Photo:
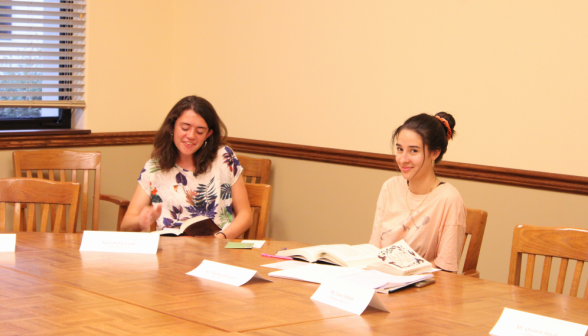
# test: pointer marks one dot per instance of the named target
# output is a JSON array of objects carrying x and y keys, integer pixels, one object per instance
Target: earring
[
  {"x": 204, "y": 144},
  {"x": 172, "y": 135},
  {"x": 433, "y": 163}
]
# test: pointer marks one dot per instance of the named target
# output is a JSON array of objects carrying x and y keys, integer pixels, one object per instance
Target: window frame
[{"x": 64, "y": 117}]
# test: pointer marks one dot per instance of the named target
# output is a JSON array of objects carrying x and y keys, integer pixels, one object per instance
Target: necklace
[{"x": 412, "y": 210}]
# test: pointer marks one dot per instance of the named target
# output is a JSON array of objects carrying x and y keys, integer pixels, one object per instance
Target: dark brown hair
[
  {"x": 166, "y": 152},
  {"x": 432, "y": 130}
]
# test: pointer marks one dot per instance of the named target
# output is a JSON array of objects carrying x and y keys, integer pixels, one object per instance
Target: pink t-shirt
[{"x": 436, "y": 228}]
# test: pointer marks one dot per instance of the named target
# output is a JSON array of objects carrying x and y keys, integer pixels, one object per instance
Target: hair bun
[{"x": 444, "y": 116}]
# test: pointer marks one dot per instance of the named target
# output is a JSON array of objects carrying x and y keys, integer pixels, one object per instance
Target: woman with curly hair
[{"x": 191, "y": 173}]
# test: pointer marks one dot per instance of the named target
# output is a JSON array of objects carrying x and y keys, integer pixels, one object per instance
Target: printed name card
[
  {"x": 514, "y": 322},
  {"x": 8, "y": 242},
  {"x": 256, "y": 243},
  {"x": 227, "y": 274},
  {"x": 122, "y": 242},
  {"x": 348, "y": 296}
]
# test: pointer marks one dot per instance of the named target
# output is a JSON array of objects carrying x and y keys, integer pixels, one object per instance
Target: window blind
[{"x": 41, "y": 55}]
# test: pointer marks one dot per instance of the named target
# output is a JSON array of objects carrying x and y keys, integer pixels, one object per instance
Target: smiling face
[
  {"x": 190, "y": 132},
  {"x": 412, "y": 156}
]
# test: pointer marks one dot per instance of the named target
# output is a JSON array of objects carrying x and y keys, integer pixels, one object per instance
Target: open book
[
  {"x": 338, "y": 254},
  {"x": 195, "y": 226},
  {"x": 400, "y": 259}
]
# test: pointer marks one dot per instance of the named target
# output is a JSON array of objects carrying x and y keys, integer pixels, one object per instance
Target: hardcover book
[
  {"x": 195, "y": 226},
  {"x": 337, "y": 254}
]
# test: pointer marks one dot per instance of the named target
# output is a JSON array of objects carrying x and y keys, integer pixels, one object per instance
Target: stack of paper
[{"x": 382, "y": 282}]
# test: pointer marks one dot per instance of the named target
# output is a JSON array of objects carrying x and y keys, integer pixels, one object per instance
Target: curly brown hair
[{"x": 166, "y": 152}]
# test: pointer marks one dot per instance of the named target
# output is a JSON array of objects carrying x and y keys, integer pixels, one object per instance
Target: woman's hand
[
  {"x": 140, "y": 214},
  {"x": 148, "y": 216}
]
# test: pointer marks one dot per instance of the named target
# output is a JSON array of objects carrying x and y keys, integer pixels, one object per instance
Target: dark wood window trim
[
  {"x": 465, "y": 171},
  {"x": 41, "y": 132}
]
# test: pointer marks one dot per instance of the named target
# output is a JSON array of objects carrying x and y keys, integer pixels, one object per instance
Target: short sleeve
[
  {"x": 380, "y": 209},
  {"x": 145, "y": 176},
  {"x": 230, "y": 165},
  {"x": 452, "y": 236}
]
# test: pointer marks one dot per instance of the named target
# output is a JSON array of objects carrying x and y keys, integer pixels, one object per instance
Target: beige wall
[
  {"x": 344, "y": 73},
  {"x": 128, "y": 71}
]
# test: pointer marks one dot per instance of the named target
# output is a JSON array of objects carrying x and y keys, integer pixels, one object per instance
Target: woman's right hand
[
  {"x": 140, "y": 214},
  {"x": 148, "y": 216}
]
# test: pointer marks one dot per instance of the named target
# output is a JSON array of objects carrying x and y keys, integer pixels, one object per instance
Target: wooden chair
[
  {"x": 259, "y": 199},
  {"x": 43, "y": 193},
  {"x": 475, "y": 226},
  {"x": 71, "y": 161},
  {"x": 255, "y": 170},
  {"x": 564, "y": 243}
]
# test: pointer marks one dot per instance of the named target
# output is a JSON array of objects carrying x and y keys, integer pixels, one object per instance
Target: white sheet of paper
[
  {"x": 376, "y": 279},
  {"x": 256, "y": 243},
  {"x": 514, "y": 322},
  {"x": 121, "y": 242},
  {"x": 315, "y": 273},
  {"x": 286, "y": 264},
  {"x": 227, "y": 274},
  {"x": 348, "y": 296},
  {"x": 8, "y": 242}
]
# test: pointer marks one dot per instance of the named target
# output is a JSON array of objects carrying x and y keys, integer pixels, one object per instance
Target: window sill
[{"x": 66, "y": 138}]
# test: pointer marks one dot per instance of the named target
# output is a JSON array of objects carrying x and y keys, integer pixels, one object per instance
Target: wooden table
[{"x": 144, "y": 294}]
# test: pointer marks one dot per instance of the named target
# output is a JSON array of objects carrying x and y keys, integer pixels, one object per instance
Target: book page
[
  {"x": 401, "y": 255},
  {"x": 368, "y": 249},
  {"x": 351, "y": 253},
  {"x": 310, "y": 253},
  {"x": 314, "y": 273}
]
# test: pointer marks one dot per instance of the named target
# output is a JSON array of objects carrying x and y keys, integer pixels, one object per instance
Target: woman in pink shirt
[{"x": 427, "y": 213}]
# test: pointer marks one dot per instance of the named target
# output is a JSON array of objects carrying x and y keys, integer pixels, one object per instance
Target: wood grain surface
[
  {"x": 33, "y": 306},
  {"x": 455, "y": 305}
]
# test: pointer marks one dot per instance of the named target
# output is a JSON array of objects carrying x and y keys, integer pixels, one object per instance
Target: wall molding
[{"x": 465, "y": 171}]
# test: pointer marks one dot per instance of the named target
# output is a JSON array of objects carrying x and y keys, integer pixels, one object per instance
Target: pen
[{"x": 275, "y": 256}]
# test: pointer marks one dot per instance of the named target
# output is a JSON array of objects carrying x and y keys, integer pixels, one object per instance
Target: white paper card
[
  {"x": 376, "y": 279},
  {"x": 515, "y": 322},
  {"x": 228, "y": 274},
  {"x": 348, "y": 296},
  {"x": 283, "y": 265},
  {"x": 256, "y": 243},
  {"x": 315, "y": 273},
  {"x": 8, "y": 242},
  {"x": 122, "y": 242}
]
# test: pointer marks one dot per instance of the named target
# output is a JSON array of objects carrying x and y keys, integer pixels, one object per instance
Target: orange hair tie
[{"x": 446, "y": 126}]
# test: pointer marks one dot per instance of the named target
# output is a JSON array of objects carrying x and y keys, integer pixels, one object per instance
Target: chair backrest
[
  {"x": 38, "y": 163},
  {"x": 259, "y": 198},
  {"x": 43, "y": 193},
  {"x": 255, "y": 170},
  {"x": 564, "y": 243},
  {"x": 475, "y": 226}
]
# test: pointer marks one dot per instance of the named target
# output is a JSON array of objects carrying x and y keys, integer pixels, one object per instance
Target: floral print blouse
[{"x": 185, "y": 195}]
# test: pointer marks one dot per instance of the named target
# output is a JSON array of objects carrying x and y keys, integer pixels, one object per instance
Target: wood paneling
[{"x": 464, "y": 171}]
